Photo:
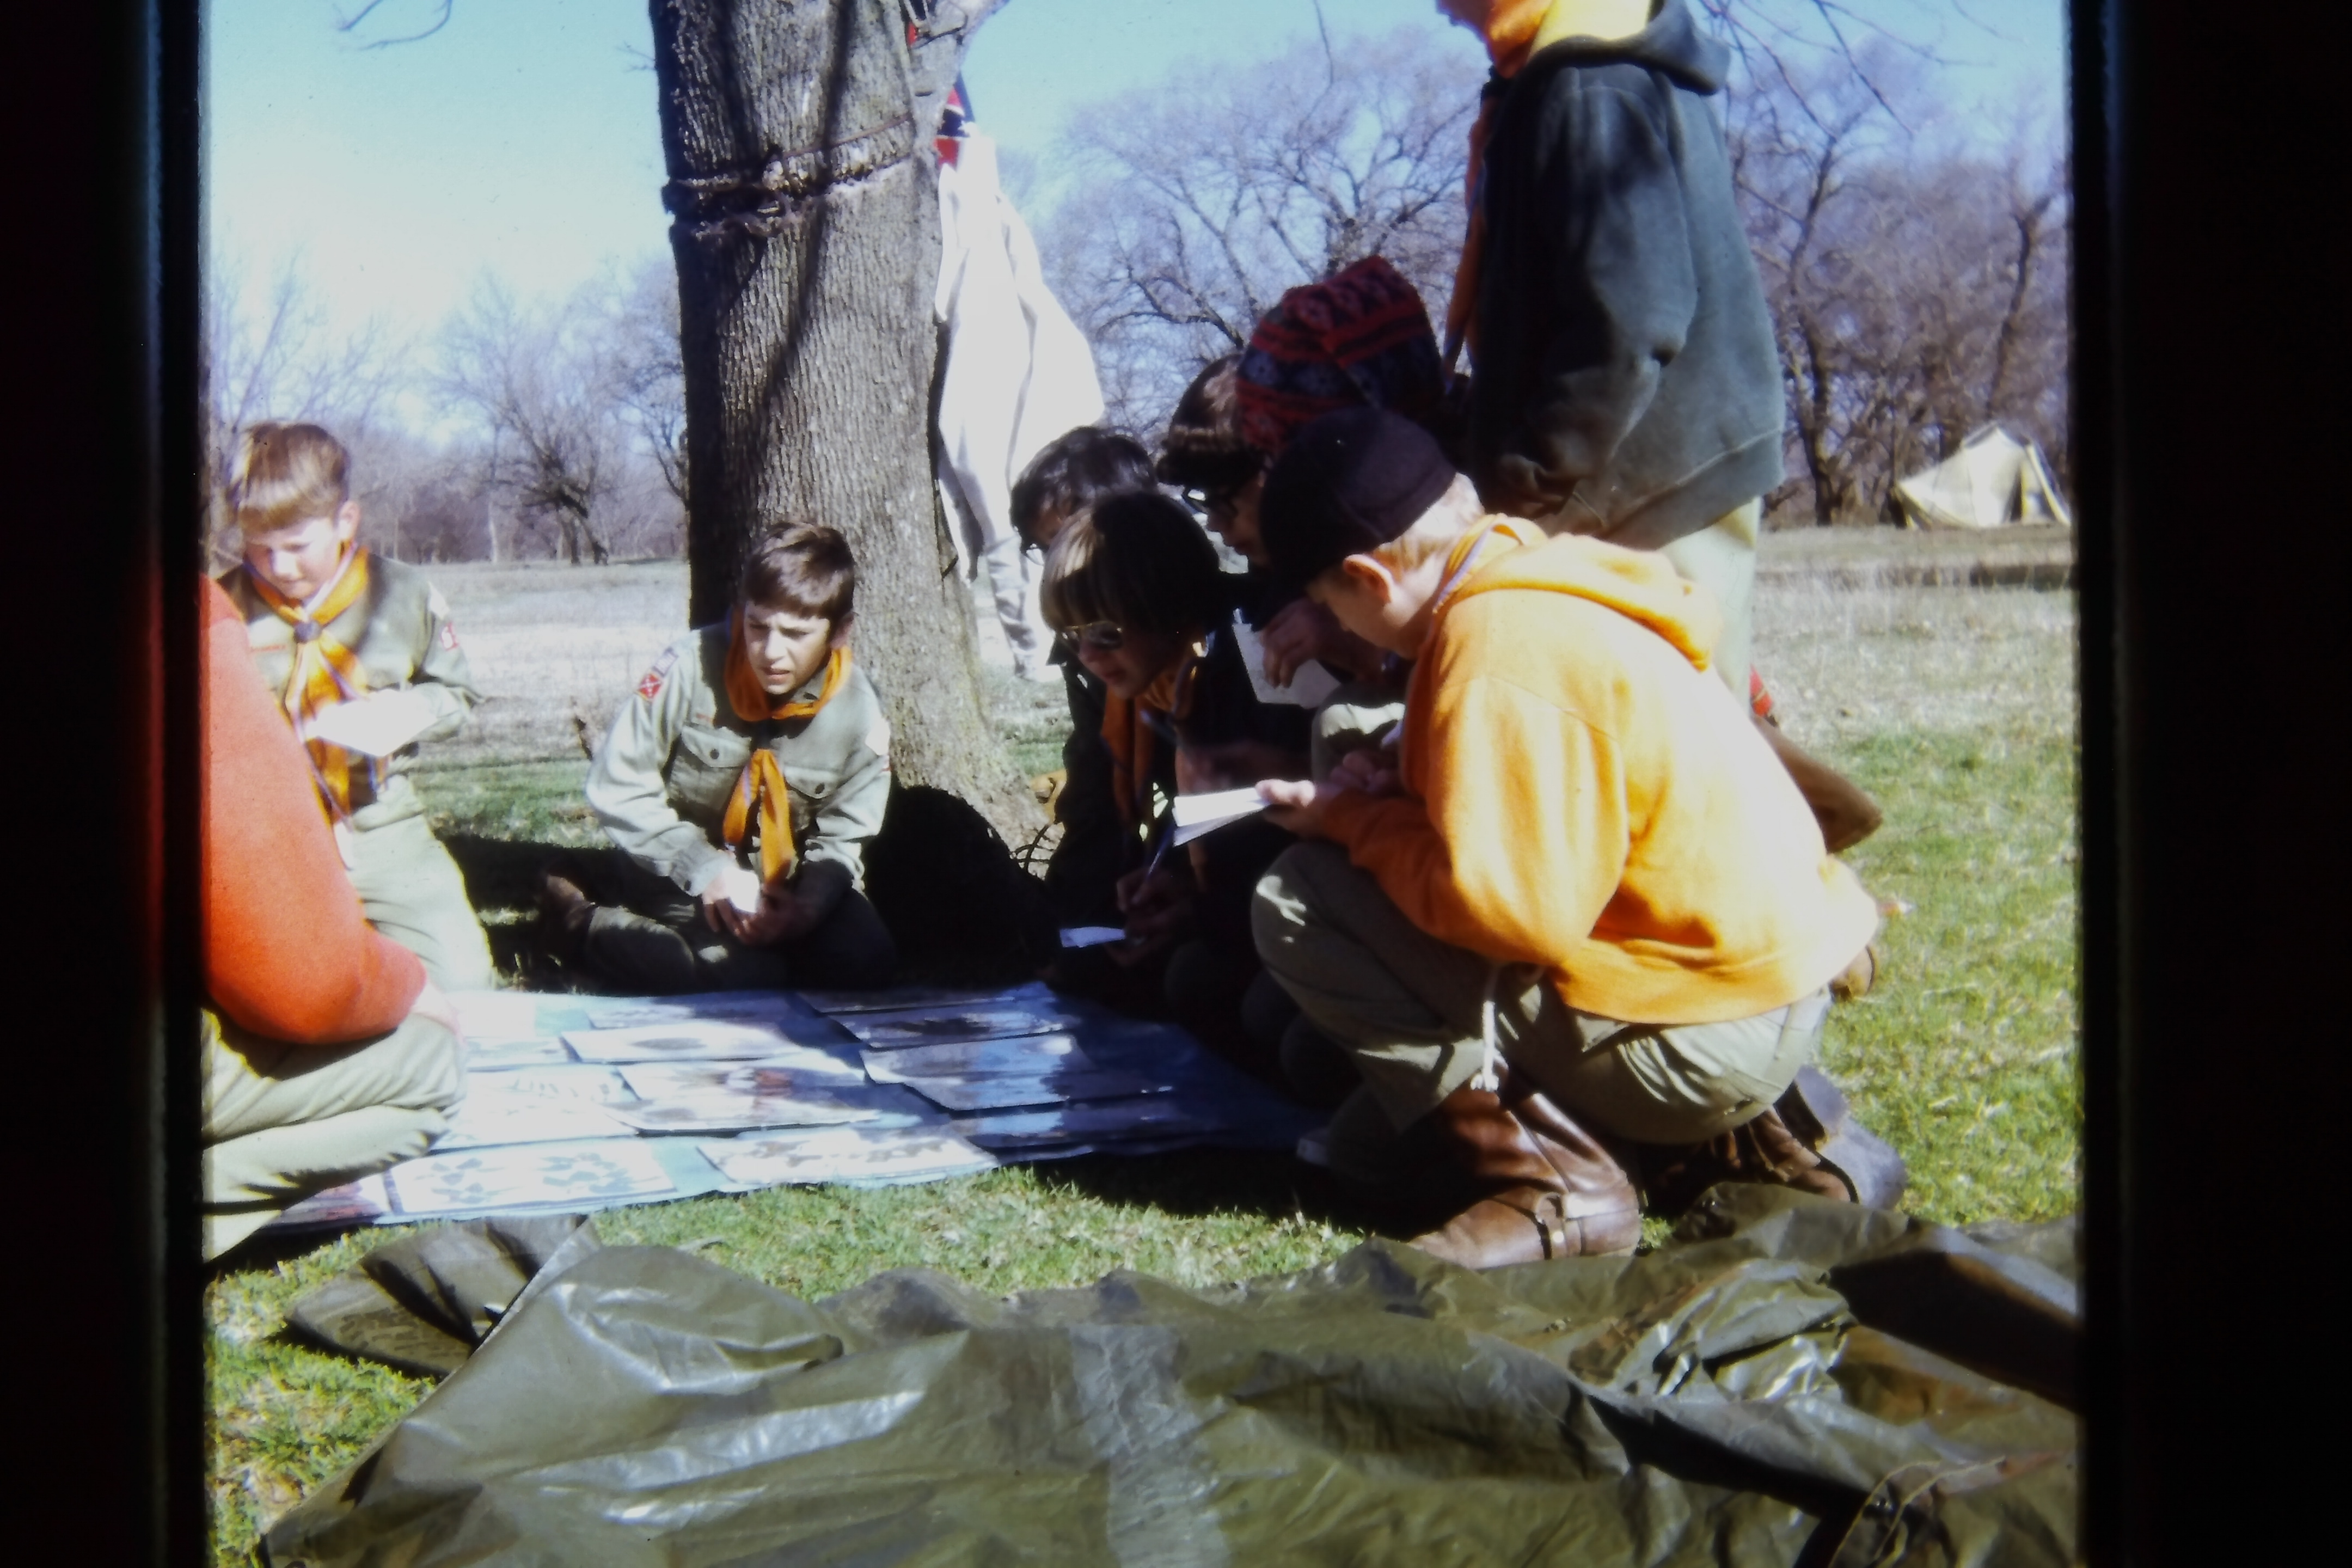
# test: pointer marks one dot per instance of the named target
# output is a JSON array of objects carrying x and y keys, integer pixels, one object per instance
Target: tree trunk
[{"x": 806, "y": 229}]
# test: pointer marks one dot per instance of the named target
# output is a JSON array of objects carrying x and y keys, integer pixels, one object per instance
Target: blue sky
[{"x": 521, "y": 140}]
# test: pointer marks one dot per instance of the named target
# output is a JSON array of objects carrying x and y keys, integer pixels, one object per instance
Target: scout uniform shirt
[
  {"x": 662, "y": 779},
  {"x": 401, "y": 630}
]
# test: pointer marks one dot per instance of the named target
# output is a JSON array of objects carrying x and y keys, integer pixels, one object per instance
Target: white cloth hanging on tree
[{"x": 1017, "y": 373}]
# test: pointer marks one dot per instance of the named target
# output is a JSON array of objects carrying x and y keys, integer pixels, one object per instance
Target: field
[{"x": 1954, "y": 705}]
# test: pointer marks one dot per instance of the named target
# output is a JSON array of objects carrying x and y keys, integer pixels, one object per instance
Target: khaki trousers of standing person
[
  {"x": 412, "y": 892},
  {"x": 1407, "y": 1007},
  {"x": 1720, "y": 558},
  {"x": 283, "y": 1121}
]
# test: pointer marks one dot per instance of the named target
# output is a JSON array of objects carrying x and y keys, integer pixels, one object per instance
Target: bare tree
[
  {"x": 545, "y": 387},
  {"x": 1189, "y": 217},
  {"x": 1917, "y": 294},
  {"x": 652, "y": 382}
]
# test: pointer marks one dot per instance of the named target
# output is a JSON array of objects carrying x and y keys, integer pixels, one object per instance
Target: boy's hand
[
  {"x": 1298, "y": 806},
  {"x": 1201, "y": 770},
  {"x": 783, "y": 915},
  {"x": 728, "y": 894},
  {"x": 1370, "y": 770},
  {"x": 1159, "y": 910},
  {"x": 1304, "y": 629}
]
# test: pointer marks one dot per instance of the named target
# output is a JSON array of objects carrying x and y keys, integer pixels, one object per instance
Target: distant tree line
[{"x": 1919, "y": 287}]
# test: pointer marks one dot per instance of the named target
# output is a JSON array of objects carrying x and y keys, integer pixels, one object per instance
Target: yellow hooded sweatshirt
[{"x": 1582, "y": 794}]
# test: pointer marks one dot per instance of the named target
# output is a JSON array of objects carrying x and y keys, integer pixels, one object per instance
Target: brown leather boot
[
  {"x": 564, "y": 911},
  {"x": 1762, "y": 1149},
  {"x": 1555, "y": 1191}
]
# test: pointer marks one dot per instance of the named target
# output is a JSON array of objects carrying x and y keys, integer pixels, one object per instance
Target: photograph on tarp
[{"x": 1340, "y": 825}]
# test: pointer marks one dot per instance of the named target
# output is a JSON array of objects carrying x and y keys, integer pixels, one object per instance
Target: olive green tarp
[{"x": 1740, "y": 1395}]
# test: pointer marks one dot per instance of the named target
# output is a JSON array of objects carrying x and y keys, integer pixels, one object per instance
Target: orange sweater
[
  {"x": 286, "y": 952},
  {"x": 1581, "y": 793}
]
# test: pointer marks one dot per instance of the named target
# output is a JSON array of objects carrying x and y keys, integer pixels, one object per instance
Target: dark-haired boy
[
  {"x": 1068, "y": 475},
  {"x": 740, "y": 782},
  {"x": 1586, "y": 911}
]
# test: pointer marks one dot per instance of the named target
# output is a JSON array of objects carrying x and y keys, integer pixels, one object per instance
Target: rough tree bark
[{"x": 802, "y": 189}]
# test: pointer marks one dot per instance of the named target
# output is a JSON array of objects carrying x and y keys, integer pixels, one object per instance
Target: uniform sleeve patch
[
  {"x": 651, "y": 686},
  {"x": 449, "y": 636},
  {"x": 878, "y": 737}
]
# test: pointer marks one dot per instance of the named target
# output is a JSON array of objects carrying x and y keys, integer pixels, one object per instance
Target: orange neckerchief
[
  {"x": 1133, "y": 742},
  {"x": 324, "y": 672},
  {"x": 760, "y": 790}
]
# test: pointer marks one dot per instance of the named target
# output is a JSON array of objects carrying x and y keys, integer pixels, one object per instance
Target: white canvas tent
[{"x": 1992, "y": 482}]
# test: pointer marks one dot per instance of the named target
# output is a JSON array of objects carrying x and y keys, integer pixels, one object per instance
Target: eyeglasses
[
  {"x": 1206, "y": 502},
  {"x": 1103, "y": 636}
]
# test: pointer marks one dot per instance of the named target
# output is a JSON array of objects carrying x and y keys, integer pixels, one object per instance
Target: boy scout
[
  {"x": 741, "y": 782},
  {"x": 1581, "y": 908},
  {"x": 331, "y": 626}
]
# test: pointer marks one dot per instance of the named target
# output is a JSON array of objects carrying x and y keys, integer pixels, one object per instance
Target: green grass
[{"x": 1953, "y": 707}]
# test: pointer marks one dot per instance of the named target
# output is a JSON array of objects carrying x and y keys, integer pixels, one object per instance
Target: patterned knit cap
[{"x": 1360, "y": 337}]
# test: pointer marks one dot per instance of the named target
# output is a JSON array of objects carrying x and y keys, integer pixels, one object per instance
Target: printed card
[
  {"x": 542, "y": 1176},
  {"x": 1026, "y": 1057},
  {"x": 779, "y": 1076},
  {"x": 704, "y": 1040},
  {"x": 846, "y": 1154}
]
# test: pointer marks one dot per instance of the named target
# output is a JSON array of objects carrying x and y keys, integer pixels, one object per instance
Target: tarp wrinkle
[{"x": 1727, "y": 1399}]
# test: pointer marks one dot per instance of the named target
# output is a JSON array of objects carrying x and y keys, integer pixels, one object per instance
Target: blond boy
[
  {"x": 1581, "y": 906},
  {"x": 362, "y": 647}
]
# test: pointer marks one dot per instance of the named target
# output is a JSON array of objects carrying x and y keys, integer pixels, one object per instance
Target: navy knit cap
[{"x": 1349, "y": 482}]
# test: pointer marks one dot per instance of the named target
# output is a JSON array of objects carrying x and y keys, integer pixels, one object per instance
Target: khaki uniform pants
[
  {"x": 282, "y": 1121},
  {"x": 1406, "y": 1006},
  {"x": 414, "y": 894}
]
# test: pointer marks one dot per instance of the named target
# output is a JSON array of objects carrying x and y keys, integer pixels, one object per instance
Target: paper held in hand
[
  {"x": 377, "y": 724},
  {"x": 1310, "y": 685},
  {"x": 1199, "y": 813}
]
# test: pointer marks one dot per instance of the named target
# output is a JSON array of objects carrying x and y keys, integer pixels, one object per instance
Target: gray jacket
[
  {"x": 403, "y": 633},
  {"x": 661, "y": 780},
  {"x": 1627, "y": 382}
]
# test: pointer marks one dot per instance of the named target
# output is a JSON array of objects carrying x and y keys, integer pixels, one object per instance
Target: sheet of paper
[
  {"x": 904, "y": 998},
  {"x": 377, "y": 724},
  {"x": 1091, "y": 936},
  {"x": 704, "y": 1040},
  {"x": 1026, "y": 1057},
  {"x": 589, "y": 1083},
  {"x": 530, "y": 1176},
  {"x": 744, "y": 1112},
  {"x": 777, "y": 1077},
  {"x": 1311, "y": 684},
  {"x": 354, "y": 1202},
  {"x": 525, "y": 1051},
  {"x": 1199, "y": 813},
  {"x": 966, "y": 1094},
  {"x": 929, "y": 1026},
  {"x": 739, "y": 1007},
  {"x": 492, "y": 1115},
  {"x": 846, "y": 1154}
]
